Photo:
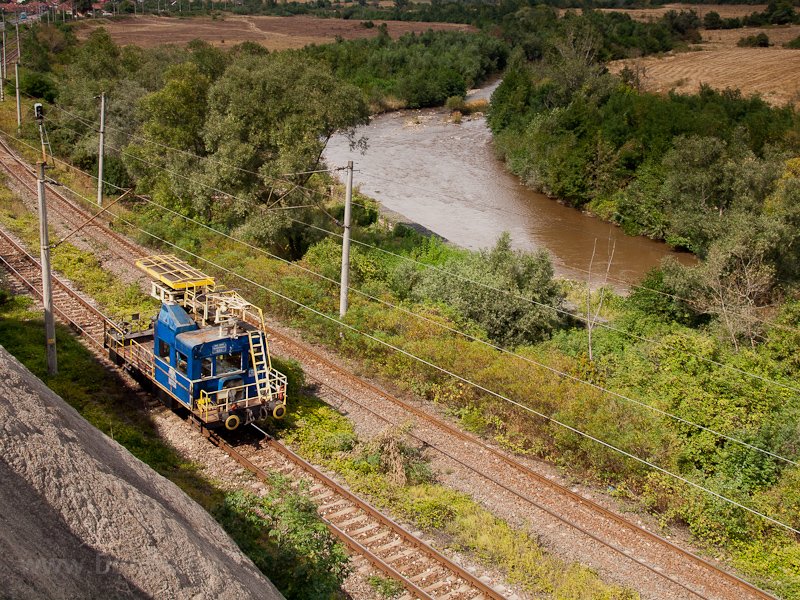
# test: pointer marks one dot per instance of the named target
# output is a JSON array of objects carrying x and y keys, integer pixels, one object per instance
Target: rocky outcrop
[{"x": 82, "y": 518}]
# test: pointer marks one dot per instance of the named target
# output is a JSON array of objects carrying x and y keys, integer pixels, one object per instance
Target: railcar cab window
[
  {"x": 205, "y": 367},
  {"x": 227, "y": 363},
  {"x": 163, "y": 350},
  {"x": 181, "y": 362}
]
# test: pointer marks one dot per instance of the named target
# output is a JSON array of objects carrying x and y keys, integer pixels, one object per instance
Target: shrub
[
  {"x": 454, "y": 103},
  {"x": 793, "y": 44},
  {"x": 760, "y": 40},
  {"x": 287, "y": 540},
  {"x": 524, "y": 314},
  {"x": 712, "y": 20},
  {"x": 37, "y": 85}
]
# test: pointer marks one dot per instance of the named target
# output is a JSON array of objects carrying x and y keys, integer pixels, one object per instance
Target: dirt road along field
[{"x": 274, "y": 33}]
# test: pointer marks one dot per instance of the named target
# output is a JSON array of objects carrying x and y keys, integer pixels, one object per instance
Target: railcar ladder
[{"x": 260, "y": 360}]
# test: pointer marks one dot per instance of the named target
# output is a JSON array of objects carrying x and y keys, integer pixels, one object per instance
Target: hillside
[{"x": 82, "y": 518}]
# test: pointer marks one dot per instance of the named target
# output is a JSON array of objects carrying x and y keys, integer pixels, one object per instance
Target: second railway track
[
  {"x": 424, "y": 572},
  {"x": 686, "y": 573}
]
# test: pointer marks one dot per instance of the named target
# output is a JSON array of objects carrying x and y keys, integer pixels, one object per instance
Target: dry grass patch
[{"x": 274, "y": 33}]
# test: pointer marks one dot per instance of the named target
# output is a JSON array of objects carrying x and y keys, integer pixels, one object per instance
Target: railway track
[
  {"x": 686, "y": 574},
  {"x": 424, "y": 572},
  {"x": 71, "y": 211},
  {"x": 69, "y": 305}
]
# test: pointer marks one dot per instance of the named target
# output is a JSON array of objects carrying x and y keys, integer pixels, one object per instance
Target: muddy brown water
[{"x": 446, "y": 178}]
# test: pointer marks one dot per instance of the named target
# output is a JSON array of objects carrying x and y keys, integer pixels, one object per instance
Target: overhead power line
[
  {"x": 471, "y": 337},
  {"x": 474, "y": 384},
  {"x": 562, "y": 311},
  {"x": 470, "y": 382}
]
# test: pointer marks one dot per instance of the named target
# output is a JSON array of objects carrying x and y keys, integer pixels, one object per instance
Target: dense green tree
[
  {"x": 211, "y": 61},
  {"x": 176, "y": 114},
  {"x": 706, "y": 178},
  {"x": 263, "y": 126}
]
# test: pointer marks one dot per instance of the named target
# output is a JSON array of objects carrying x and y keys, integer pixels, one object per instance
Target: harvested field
[
  {"x": 726, "y": 11},
  {"x": 274, "y": 33},
  {"x": 772, "y": 72},
  {"x": 728, "y": 38}
]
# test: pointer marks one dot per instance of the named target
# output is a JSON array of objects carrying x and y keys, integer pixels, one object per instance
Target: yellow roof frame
[{"x": 174, "y": 272}]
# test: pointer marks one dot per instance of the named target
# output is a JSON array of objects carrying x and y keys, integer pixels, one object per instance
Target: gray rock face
[{"x": 82, "y": 518}]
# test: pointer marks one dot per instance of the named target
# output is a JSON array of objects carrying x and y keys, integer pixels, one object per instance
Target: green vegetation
[
  {"x": 588, "y": 138},
  {"x": 387, "y": 588},
  {"x": 760, "y": 40},
  {"x": 234, "y": 135},
  {"x": 283, "y": 535},
  {"x": 396, "y": 476},
  {"x": 417, "y": 70},
  {"x": 778, "y": 12},
  {"x": 793, "y": 44},
  {"x": 713, "y": 172}
]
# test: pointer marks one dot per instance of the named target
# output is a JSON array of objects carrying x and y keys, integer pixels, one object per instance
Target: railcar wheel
[
  {"x": 232, "y": 422},
  {"x": 279, "y": 411}
]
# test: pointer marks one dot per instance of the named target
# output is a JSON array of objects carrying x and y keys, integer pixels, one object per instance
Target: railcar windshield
[{"x": 227, "y": 363}]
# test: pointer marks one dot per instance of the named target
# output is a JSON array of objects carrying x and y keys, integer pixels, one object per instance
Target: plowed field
[
  {"x": 726, "y": 11},
  {"x": 275, "y": 33},
  {"x": 772, "y": 72}
]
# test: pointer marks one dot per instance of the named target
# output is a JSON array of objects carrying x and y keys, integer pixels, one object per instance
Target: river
[{"x": 445, "y": 177}]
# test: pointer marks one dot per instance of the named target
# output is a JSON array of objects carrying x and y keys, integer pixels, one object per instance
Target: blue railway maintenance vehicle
[{"x": 206, "y": 350}]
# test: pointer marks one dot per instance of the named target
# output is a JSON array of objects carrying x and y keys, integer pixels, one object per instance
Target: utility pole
[
  {"x": 3, "y": 68},
  {"x": 47, "y": 289},
  {"x": 348, "y": 197},
  {"x": 100, "y": 150},
  {"x": 19, "y": 48},
  {"x": 19, "y": 108},
  {"x": 3, "y": 75}
]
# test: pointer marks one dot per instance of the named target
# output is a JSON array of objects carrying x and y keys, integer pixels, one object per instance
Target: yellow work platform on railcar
[{"x": 174, "y": 272}]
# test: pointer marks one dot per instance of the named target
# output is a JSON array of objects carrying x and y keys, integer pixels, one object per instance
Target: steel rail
[
  {"x": 350, "y": 541},
  {"x": 523, "y": 469},
  {"x": 482, "y": 589},
  {"x": 80, "y": 211}
]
